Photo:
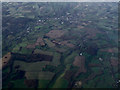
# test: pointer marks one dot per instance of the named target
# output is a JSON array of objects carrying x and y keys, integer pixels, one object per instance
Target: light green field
[
  {"x": 37, "y": 27},
  {"x": 39, "y": 75},
  {"x": 60, "y": 82},
  {"x": 26, "y": 51},
  {"x": 43, "y": 83},
  {"x": 29, "y": 67},
  {"x": 36, "y": 51},
  {"x": 23, "y": 44}
]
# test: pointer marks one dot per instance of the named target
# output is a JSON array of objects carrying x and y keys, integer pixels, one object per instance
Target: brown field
[
  {"x": 94, "y": 65},
  {"x": 79, "y": 62},
  {"x": 55, "y": 34},
  {"x": 69, "y": 74},
  {"x": 91, "y": 33},
  {"x": 92, "y": 76},
  {"x": 6, "y": 59},
  {"x": 80, "y": 27},
  {"x": 30, "y": 83},
  {"x": 66, "y": 43},
  {"x": 114, "y": 61},
  {"x": 40, "y": 41},
  {"x": 110, "y": 50},
  {"x": 31, "y": 46},
  {"x": 60, "y": 50}
]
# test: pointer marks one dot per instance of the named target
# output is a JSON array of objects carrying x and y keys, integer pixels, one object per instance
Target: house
[
  {"x": 100, "y": 59},
  {"x": 80, "y": 54}
]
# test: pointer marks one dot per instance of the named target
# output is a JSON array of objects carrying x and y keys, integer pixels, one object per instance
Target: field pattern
[{"x": 60, "y": 45}]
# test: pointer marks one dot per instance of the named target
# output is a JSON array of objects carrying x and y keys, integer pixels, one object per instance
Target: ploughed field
[
  {"x": 32, "y": 58},
  {"x": 60, "y": 45}
]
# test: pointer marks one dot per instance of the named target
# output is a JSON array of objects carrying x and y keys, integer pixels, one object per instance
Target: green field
[
  {"x": 43, "y": 83},
  {"x": 39, "y": 75},
  {"x": 70, "y": 58},
  {"x": 36, "y": 67},
  {"x": 56, "y": 59},
  {"x": 37, "y": 51},
  {"x": 60, "y": 82},
  {"x": 45, "y": 38}
]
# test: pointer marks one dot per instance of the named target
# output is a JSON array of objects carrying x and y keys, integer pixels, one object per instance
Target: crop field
[
  {"x": 70, "y": 58},
  {"x": 37, "y": 66},
  {"x": 56, "y": 59},
  {"x": 43, "y": 83},
  {"x": 42, "y": 52},
  {"x": 60, "y": 82},
  {"x": 60, "y": 45},
  {"x": 39, "y": 75}
]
